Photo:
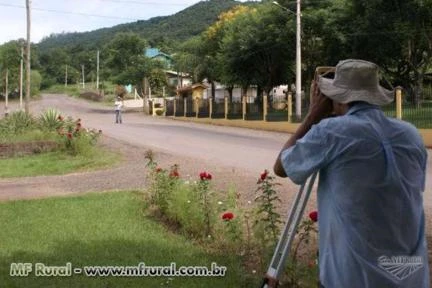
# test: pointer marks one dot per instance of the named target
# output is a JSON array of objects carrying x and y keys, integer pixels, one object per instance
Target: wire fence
[{"x": 419, "y": 114}]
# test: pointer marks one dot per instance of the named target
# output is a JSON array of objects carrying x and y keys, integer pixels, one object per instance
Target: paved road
[{"x": 233, "y": 147}]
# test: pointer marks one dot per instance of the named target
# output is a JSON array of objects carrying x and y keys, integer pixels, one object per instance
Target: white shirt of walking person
[{"x": 118, "y": 104}]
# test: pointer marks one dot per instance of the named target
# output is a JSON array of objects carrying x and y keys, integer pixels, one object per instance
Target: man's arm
[{"x": 322, "y": 108}]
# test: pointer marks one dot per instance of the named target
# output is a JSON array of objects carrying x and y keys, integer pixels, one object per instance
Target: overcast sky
[{"x": 56, "y": 16}]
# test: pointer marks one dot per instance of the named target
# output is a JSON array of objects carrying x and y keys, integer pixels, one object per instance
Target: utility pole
[
  {"x": 97, "y": 70},
  {"x": 298, "y": 56},
  {"x": 66, "y": 76},
  {"x": 82, "y": 72},
  {"x": 21, "y": 78},
  {"x": 27, "y": 98},
  {"x": 6, "y": 93},
  {"x": 298, "y": 64}
]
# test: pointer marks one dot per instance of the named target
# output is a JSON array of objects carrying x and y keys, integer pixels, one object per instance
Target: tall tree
[
  {"x": 257, "y": 49},
  {"x": 10, "y": 56},
  {"x": 395, "y": 34},
  {"x": 126, "y": 60}
]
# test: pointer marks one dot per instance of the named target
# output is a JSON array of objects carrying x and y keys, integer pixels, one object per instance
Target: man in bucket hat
[{"x": 372, "y": 178}]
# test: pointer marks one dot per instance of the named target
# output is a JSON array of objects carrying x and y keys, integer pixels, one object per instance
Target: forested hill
[{"x": 159, "y": 31}]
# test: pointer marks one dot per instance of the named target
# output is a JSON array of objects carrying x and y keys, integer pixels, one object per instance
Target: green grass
[
  {"x": 71, "y": 89},
  {"x": 56, "y": 163},
  {"x": 100, "y": 229},
  {"x": 75, "y": 89},
  {"x": 31, "y": 135}
]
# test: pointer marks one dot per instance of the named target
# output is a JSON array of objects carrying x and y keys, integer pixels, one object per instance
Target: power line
[
  {"x": 68, "y": 12},
  {"x": 144, "y": 2},
  {"x": 85, "y": 14}
]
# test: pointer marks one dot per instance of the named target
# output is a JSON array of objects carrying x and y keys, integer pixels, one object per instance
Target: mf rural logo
[{"x": 400, "y": 267}]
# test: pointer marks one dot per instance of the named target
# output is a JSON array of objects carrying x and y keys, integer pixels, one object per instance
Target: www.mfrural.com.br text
[{"x": 140, "y": 270}]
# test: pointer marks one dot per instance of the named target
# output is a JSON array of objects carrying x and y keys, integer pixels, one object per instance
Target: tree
[
  {"x": 157, "y": 80},
  {"x": 10, "y": 56},
  {"x": 53, "y": 64},
  {"x": 257, "y": 49},
  {"x": 397, "y": 35},
  {"x": 126, "y": 60}
]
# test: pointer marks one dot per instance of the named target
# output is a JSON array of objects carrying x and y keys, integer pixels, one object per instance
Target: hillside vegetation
[{"x": 158, "y": 31}]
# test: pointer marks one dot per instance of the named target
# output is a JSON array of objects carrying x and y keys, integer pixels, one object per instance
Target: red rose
[
  {"x": 264, "y": 175},
  {"x": 174, "y": 174},
  {"x": 313, "y": 216},
  {"x": 205, "y": 176},
  {"x": 158, "y": 170},
  {"x": 227, "y": 216},
  {"x": 69, "y": 135}
]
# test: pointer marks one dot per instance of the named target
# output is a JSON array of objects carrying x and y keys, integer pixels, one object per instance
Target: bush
[
  {"x": 50, "y": 125},
  {"x": 16, "y": 123},
  {"x": 76, "y": 140},
  {"x": 159, "y": 112},
  {"x": 216, "y": 220},
  {"x": 50, "y": 119},
  {"x": 47, "y": 82},
  {"x": 36, "y": 82}
]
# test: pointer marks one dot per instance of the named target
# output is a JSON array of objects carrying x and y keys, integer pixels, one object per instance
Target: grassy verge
[
  {"x": 99, "y": 229},
  {"x": 56, "y": 163},
  {"x": 72, "y": 89},
  {"x": 32, "y": 135}
]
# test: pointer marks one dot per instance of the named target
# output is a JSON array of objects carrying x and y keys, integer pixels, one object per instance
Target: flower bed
[
  {"x": 26, "y": 148},
  {"x": 216, "y": 219}
]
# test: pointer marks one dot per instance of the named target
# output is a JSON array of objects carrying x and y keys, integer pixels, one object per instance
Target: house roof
[
  {"x": 154, "y": 52},
  {"x": 174, "y": 73},
  {"x": 191, "y": 87}
]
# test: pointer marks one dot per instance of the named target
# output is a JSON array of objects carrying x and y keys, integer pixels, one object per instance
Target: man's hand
[{"x": 321, "y": 106}]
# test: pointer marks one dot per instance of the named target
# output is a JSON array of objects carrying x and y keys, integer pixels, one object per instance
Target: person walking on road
[
  {"x": 371, "y": 182},
  {"x": 118, "y": 104}
]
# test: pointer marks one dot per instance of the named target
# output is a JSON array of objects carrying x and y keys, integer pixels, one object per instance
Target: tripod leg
[{"x": 287, "y": 236}]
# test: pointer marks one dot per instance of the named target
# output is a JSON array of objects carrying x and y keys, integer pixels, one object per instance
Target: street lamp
[{"x": 298, "y": 56}]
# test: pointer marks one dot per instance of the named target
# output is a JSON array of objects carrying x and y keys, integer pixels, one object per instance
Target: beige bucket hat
[{"x": 356, "y": 80}]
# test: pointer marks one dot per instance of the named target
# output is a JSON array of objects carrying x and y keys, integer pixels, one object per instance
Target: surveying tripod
[
  {"x": 283, "y": 248},
  {"x": 275, "y": 269}
]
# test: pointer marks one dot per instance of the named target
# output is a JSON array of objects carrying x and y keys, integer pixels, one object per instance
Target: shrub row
[{"x": 216, "y": 219}]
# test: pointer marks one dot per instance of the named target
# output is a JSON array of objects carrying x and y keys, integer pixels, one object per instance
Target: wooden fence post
[
  {"x": 289, "y": 106},
  {"x": 244, "y": 107},
  {"x": 399, "y": 102},
  {"x": 226, "y": 107},
  {"x": 210, "y": 99}
]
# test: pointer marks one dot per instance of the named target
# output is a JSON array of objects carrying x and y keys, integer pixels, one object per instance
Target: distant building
[
  {"x": 178, "y": 79},
  {"x": 156, "y": 54}
]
